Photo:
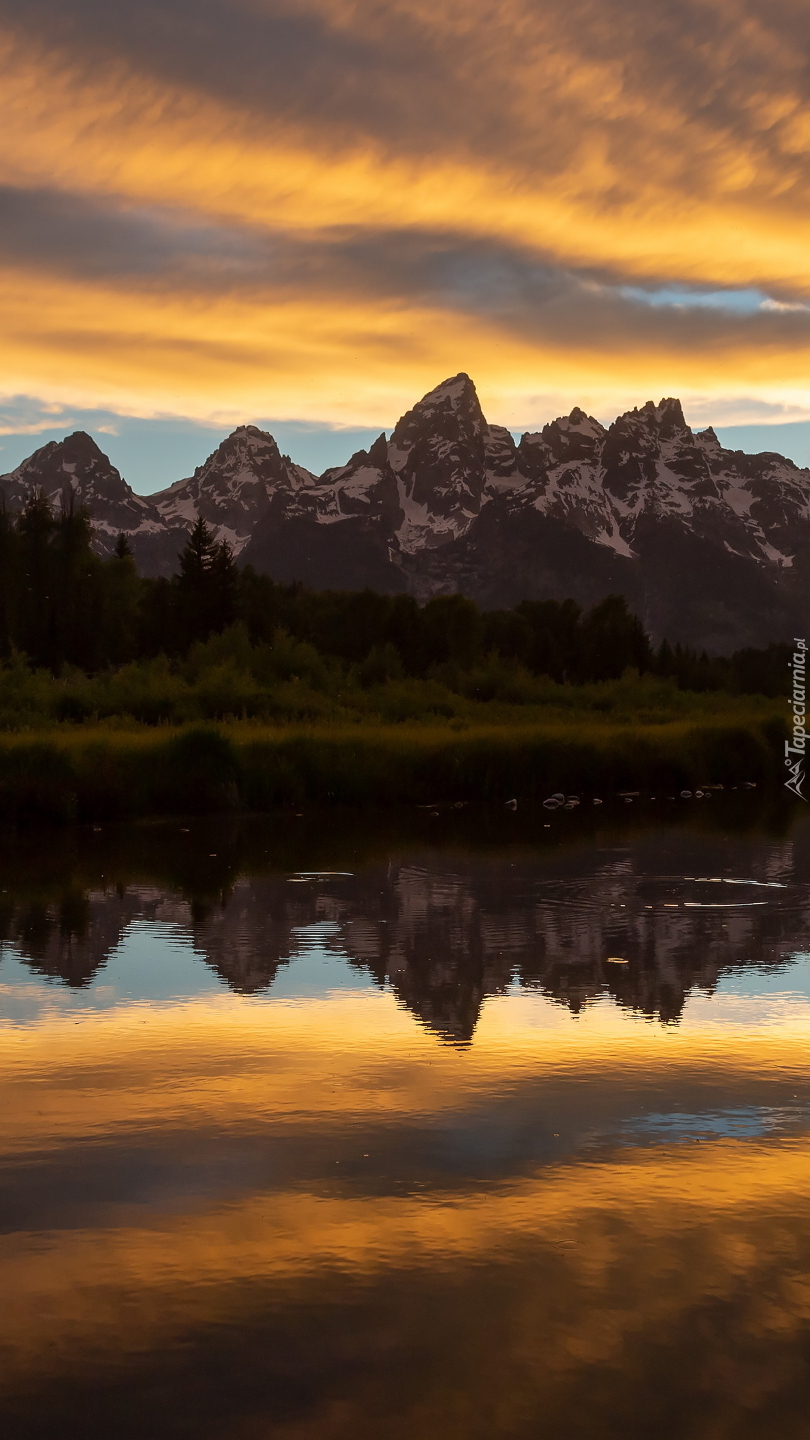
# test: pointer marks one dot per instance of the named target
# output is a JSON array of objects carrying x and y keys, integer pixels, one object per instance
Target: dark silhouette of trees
[
  {"x": 120, "y": 625},
  {"x": 555, "y": 642},
  {"x": 206, "y": 585},
  {"x": 77, "y": 597},
  {"x": 8, "y": 576},
  {"x": 612, "y": 641},
  {"x": 36, "y": 580},
  {"x": 61, "y": 604}
]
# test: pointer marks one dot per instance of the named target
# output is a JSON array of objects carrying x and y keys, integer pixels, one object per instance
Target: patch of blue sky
[
  {"x": 744, "y": 302},
  {"x": 154, "y": 453},
  {"x": 792, "y": 438}
]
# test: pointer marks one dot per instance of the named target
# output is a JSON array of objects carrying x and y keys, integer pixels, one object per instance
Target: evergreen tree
[
  {"x": 121, "y": 637},
  {"x": 158, "y": 618},
  {"x": 224, "y": 587},
  {"x": 451, "y": 630},
  {"x": 8, "y": 581},
  {"x": 664, "y": 661},
  {"x": 556, "y": 638},
  {"x": 194, "y": 584},
  {"x": 77, "y": 589},
  {"x": 197, "y": 558},
  {"x": 259, "y": 604},
  {"x": 36, "y": 581},
  {"x": 612, "y": 641},
  {"x": 206, "y": 586},
  {"x": 508, "y": 633},
  {"x": 403, "y": 630}
]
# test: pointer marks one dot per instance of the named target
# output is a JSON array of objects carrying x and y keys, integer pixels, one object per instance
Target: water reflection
[
  {"x": 444, "y": 929},
  {"x": 404, "y": 1150}
]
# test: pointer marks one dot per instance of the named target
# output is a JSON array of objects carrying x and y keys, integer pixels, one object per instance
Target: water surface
[{"x": 450, "y": 1125}]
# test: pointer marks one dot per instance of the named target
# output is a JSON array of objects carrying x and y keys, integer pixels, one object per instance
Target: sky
[{"x": 307, "y": 214}]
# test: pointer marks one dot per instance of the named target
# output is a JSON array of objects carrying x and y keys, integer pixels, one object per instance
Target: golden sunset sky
[{"x": 221, "y": 210}]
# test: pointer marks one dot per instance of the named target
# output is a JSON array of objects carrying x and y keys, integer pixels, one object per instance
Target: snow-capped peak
[{"x": 414, "y": 501}]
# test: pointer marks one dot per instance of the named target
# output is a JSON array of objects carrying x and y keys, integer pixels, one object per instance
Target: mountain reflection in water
[{"x": 403, "y": 1148}]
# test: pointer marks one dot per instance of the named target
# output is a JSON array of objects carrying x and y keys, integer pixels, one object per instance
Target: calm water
[{"x": 352, "y": 1129}]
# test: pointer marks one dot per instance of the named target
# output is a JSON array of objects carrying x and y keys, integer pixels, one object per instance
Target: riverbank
[{"x": 95, "y": 773}]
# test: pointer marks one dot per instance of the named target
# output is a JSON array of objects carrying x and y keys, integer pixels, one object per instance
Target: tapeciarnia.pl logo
[{"x": 798, "y": 748}]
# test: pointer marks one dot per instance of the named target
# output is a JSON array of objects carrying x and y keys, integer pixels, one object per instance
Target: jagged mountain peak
[
  {"x": 452, "y": 410},
  {"x": 438, "y": 454},
  {"x": 456, "y": 391},
  {"x": 645, "y": 507},
  {"x": 580, "y": 423},
  {"x": 79, "y": 446},
  {"x": 76, "y": 461},
  {"x": 663, "y": 420},
  {"x": 235, "y": 486},
  {"x": 79, "y": 463},
  {"x": 378, "y": 452},
  {"x": 77, "y": 454},
  {"x": 571, "y": 437},
  {"x": 640, "y": 443},
  {"x": 244, "y": 443}
]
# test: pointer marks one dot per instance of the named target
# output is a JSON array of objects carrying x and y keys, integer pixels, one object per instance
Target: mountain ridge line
[{"x": 709, "y": 546}]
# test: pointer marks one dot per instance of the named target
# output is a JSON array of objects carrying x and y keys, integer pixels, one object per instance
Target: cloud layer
[{"x": 318, "y": 209}]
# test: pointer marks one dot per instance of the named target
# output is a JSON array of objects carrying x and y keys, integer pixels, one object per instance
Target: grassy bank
[{"x": 90, "y": 772}]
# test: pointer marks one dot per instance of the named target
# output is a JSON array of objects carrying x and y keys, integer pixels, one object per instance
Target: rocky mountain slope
[
  {"x": 710, "y": 546},
  {"x": 77, "y": 464}
]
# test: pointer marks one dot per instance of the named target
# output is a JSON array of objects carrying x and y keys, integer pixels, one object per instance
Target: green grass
[
  {"x": 289, "y": 682},
  {"x": 242, "y": 727},
  {"x": 98, "y": 772}
]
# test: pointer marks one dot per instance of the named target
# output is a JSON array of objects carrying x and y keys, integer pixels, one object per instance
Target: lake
[{"x": 451, "y": 1123}]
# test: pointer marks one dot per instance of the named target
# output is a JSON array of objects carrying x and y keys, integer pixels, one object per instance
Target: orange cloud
[
  {"x": 351, "y": 359},
  {"x": 629, "y": 143}
]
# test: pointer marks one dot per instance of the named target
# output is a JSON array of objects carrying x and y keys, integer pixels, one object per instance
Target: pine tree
[
  {"x": 206, "y": 585},
  {"x": 77, "y": 588},
  {"x": 665, "y": 660},
  {"x": 123, "y": 594},
  {"x": 224, "y": 587},
  {"x": 197, "y": 558},
  {"x": 8, "y": 581},
  {"x": 613, "y": 639},
  {"x": 37, "y": 580}
]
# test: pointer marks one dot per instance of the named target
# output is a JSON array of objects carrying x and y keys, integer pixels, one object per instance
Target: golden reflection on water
[
  {"x": 580, "y": 1266},
  {"x": 225, "y": 1062}
]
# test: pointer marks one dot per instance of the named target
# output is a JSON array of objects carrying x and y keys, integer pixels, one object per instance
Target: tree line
[{"x": 61, "y": 604}]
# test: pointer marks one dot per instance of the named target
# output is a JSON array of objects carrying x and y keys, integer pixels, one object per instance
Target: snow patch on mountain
[{"x": 425, "y": 488}]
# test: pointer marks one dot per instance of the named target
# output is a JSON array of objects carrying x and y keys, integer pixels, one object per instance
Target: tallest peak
[
  {"x": 458, "y": 390},
  {"x": 456, "y": 383},
  {"x": 451, "y": 409}
]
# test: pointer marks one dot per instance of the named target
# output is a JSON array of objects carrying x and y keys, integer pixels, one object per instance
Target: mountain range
[{"x": 710, "y": 546}]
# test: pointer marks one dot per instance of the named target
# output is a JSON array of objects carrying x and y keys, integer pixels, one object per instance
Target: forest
[
  {"x": 218, "y": 689},
  {"x": 82, "y": 637}
]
